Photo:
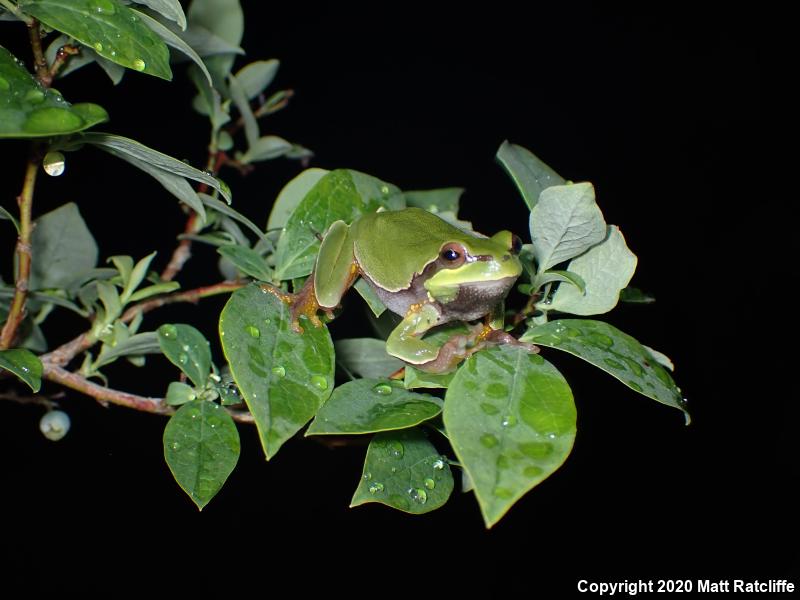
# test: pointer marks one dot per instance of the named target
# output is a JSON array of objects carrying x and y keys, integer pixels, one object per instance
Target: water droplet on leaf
[
  {"x": 438, "y": 464},
  {"x": 376, "y": 487},
  {"x": 396, "y": 449},
  {"x": 98, "y": 47},
  {"x": 418, "y": 495},
  {"x": 169, "y": 331},
  {"x": 382, "y": 389},
  {"x": 319, "y": 382},
  {"x": 429, "y": 483},
  {"x": 489, "y": 409},
  {"x": 253, "y": 331},
  {"x": 509, "y": 421},
  {"x": 489, "y": 441},
  {"x": 279, "y": 371},
  {"x": 139, "y": 65}
]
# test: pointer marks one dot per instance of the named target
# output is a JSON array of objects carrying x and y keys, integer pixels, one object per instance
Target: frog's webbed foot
[
  {"x": 496, "y": 337},
  {"x": 302, "y": 304}
]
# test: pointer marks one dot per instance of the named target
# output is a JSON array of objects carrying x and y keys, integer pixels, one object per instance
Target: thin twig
[
  {"x": 104, "y": 395},
  {"x": 66, "y": 352},
  {"x": 62, "y": 56},
  {"x": 16, "y": 312},
  {"x": 39, "y": 60}
]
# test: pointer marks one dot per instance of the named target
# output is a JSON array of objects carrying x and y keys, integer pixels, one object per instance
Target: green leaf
[
  {"x": 4, "y": 214},
  {"x": 291, "y": 195},
  {"x": 634, "y": 295},
  {"x": 153, "y": 290},
  {"x": 136, "y": 276},
  {"x": 226, "y": 210},
  {"x": 239, "y": 98},
  {"x": 135, "y": 345},
  {"x": 615, "y": 352},
  {"x": 179, "y": 393},
  {"x": 366, "y": 357},
  {"x": 24, "y": 364},
  {"x": 267, "y": 147},
  {"x": 63, "y": 248},
  {"x": 403, "y": 470},
  {"x": 224, "y": 19},
  {"x": 284, "y": 376},
  {"x": 560, "y": 276},
  {"x": 112, "y": 29},
  {"x": 123, "y": 147},
  {"x": 510, "y": 417},
  {"x": 375, "y": 304},
  {"x": 435, "y": 201},
  {"x": 414, "y": 378},
  {"x": 373, "y": 405},
  {"x": 187, "y": 349},
  {"x": 171, "y": 9},
  {"x": 172, "y": 39},
  {"x": 201, "y": 447},
  {"x": 529, "y": 173},
  {"x": 565, "y": 223},
  {"x": 27, "y": 109},
  {"x": 340, "y": 194},
  {"x": 208, "y": 101},
  {"x": 605, "y": 269},
  {"x": 255, "y": 77},
  {"x": 248, "y": 261}
]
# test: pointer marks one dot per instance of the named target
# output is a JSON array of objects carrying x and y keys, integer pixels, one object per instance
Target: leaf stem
[
  {"x": 14, "y": 10},
  {"x": 22, "y": 254},
  {"x": 62, "y": 56}
]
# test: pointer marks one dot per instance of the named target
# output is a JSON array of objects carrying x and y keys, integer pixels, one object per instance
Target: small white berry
[{"x": 54, "y": 425}]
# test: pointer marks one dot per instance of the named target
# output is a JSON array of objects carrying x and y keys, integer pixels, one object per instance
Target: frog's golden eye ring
[{"x": 452, "y": 255}]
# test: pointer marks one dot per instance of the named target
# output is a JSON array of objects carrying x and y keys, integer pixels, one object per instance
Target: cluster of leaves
[{"x": 506, "y": 417}]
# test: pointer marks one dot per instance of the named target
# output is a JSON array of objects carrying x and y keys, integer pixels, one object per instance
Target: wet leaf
[
  {"x": 510, "y": 417},
  {"x": 24, "y": 364},
  {"x": 201, "y": 447},
  {"x": 187, "y": 349},
  {"x": 373, "y": 405},
  {"x": 291, "y": 195},
  {"x": 27, "y": 109},
  {"x": 110, "y": 28},
  {"x": 283, "y": 376},
  {"x": 366, "y": 357},
  {"x": 615, "y": 352},
  {"x": 247, "y": 260},
  {"x": 403, "y": 470}
]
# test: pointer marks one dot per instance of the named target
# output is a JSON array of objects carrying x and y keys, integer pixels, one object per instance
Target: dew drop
[
  {"x": 98, "y": 46},
  {"x": 279, "y": 371},
  {"x": 182, "y": 358},
  {"x": 384, "y": 189},
  {"x": 536, "y": 449},
  {"x": 53, "y": 164},
  {"x": 489, "y": 409},
  {"x": 34, "y": 96},
  {"x": 438, "y": 464},
  {"x": 503, "y": 493},
  {"x": 532, "y": 471},
  {"x": 489, "y": 441},
  {"x": 635, "y": 386},
  {"x": 429, "y": 483},
  {"x": 382, "y": 389},
  {"x": 319, "y": 382},
  {"x": 176, "y": 446},
  {"x": 376, "y": 487},
  {"x": 267, "y": 321},
  {"x": 503, "y": 462},
  {"x": 139, "y": 65},
  {"x": 418, "y": 495},
  {"x": 253, "y": 331},
  {"x": 509, "y": 421},
  {"x": 396, "y": 449},
  {"x": 367, "y": 476},
  {"x": 169, "y": 331},
  {"x": 4, "y": 85},
  {"x": 614, "y": 364},
  {"x": 497, "y": 390},
  {"x": 104, "y": 7}
]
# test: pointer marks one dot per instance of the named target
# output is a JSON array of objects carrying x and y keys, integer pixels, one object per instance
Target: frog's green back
[{"x": 393, "y": 246}]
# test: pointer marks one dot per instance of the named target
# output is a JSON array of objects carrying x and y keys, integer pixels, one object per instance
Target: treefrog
[{"x": 425, "y": 270}]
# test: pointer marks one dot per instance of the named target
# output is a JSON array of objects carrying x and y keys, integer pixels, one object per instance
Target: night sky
[{"x": 660, "y": 108}]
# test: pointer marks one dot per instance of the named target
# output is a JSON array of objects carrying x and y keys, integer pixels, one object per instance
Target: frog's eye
[
  {"x": 452, "y": 255},
  {"x": 516, "y": 244}
]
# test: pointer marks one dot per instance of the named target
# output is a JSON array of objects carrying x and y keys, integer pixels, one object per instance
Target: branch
[
  {"x": 62, "y": 56},
  {"x": 39, "y": 61},
  {"x": 102, "y": 394},
  {"x": 66, "y": 352},
  {"x": 14, "y": 10},
  {"x": 16, "y": 311}
]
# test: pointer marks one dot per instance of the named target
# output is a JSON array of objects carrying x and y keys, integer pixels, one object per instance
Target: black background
[{"x": 655, "y": 106}]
